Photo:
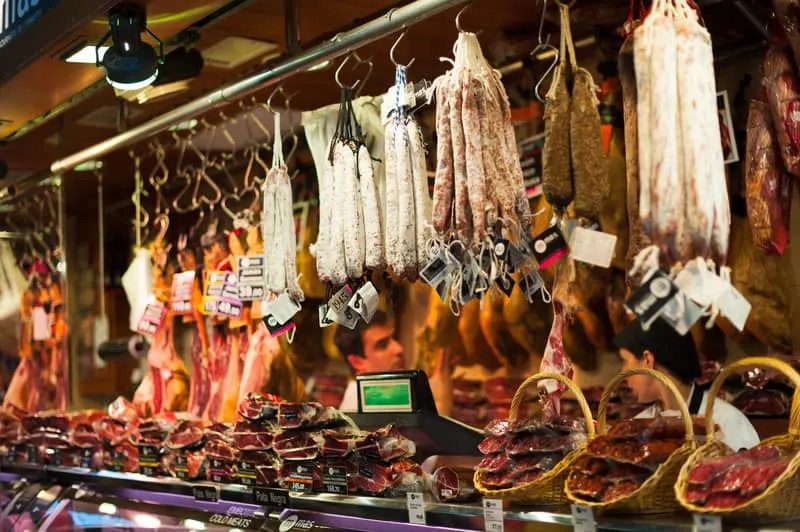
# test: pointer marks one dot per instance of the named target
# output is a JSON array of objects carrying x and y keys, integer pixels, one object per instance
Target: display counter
[{"x": 66, "y": 499}]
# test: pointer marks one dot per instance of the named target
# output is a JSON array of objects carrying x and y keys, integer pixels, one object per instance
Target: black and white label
[
  {"x": 149, "y": 459},
  {"x": 681, "y": 313},
  {"x": 549, "y": 246},
  {"x": 338, "y": 303},
  {"x": 516, "y": 258},
  {"x": 733, "y": 305},
  {"x": 283, "y": 307},
  {"x": 56, "y": 457},
  {"x": 500, "y": 249},
  {"x": 649, "y": 300},
  {"x": 506, "y": 283},
  {"x": 416, "y": 508},
  {"x": 277, "y": 328},
  {"x": 206, "y": 493},
  {"x": 470, "y": 272},
  {"x": 324, "y": 320},
  {"x": 334, "y": 478},
  {"x": 272, "y": 497},
  {"x": 181, "y": 467},
  {"x": 707, "y": 523},
  {"x": 530, "y": 283},
  {"x": 583, "y": 519},
  {"x": 246, "y": 473},
  {"x": 365, "y": 301},
  {"x": 118, "y": 462},
  {"x": 493, "y": 515},
  {"x": 87, "y": 457},
  {"x": 217, "y": 471},
  {"x": 436, "y": 270},
  {"x": 251, "y": 277}
]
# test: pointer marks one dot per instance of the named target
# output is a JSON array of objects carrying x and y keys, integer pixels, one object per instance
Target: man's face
[{"x": 382, "y": 352}]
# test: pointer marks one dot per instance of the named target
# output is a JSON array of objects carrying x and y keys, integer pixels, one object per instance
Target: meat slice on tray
[
  {"x": 536, "y": 462},
  {"x": 657, "y": 428},
  {"x": 297, "y": 445},
  {"x": 188, "y": 433},
  {"x": 620, "y": 489},
  {"x": 590, "y": 465},
  {"x": 259, "y": 407},
  {"x": 252, "y": 436}
]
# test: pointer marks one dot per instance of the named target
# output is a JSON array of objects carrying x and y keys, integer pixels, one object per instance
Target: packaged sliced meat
[
  {"x": 154, "y": 431},
  {"x": 307, "y": 415},
  {"x": 297, "y": 445},
  {"x": 760, "y": 475},
  {"x": 123, "y": 409},
  {"x": 122, "y": 457},
  {"x": 552, "y": 426},
  {"x": 652, "y": 453},
  {"x": 590, "y": 465},
  {"x": 498, "y": 427},
  {"x": 620, "y": 489},
  {"x": 492, "y": 444},
  {"x": 187, "y": 464},
  {"x": 114, "y": 431},
  {"x": 657, "y": 428},
  {"x": 762, "y": 402},
  {"x": 385, "y": 444},
  {"x": 259, "y": 407},
  {"x": 494, "y": 462},
  {"x": 188, "y": 434},
  {"x": 536, "y": 462},
  {"x": 338, "y": 443},
  {"x": 454, "y": 484},
  {"x": 783, "y": 95},
  {"x": 375, "y": 478},
  {"x": 586, "y": 486},
  {"x": 768, "y": 186},
  {"x": 531, "y": 443},
  {"x": 250, "y": 436}
]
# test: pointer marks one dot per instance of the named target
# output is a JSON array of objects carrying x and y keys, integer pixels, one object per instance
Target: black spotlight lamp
[{"x": 130, "y": 64}]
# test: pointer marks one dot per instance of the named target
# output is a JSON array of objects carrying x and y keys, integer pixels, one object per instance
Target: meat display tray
[{"x": 339, "y": 512}]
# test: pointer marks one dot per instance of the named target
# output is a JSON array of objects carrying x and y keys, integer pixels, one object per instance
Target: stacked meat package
[
  {"x": 519, "y": 452},
  {"x": 618, "y": 463},
  {"x": 256, "y": 464}
]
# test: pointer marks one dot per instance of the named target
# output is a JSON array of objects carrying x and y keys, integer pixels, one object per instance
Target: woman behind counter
[{"x": 663, "y": 349}]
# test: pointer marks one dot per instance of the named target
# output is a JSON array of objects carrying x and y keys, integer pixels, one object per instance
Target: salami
[
  {"x": 372, "y": 215},
  {"x": 768, "y": 187},
  {"x": 444, "y": 185}
]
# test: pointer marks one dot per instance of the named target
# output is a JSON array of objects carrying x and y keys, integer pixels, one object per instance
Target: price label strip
[
  {"x": 246, "y": 473},
  {"x": 251, "y": 274},
  {"x": 272, "y": 497},
  {"x": 301, "y": 477},
  {"x": 181, "y": 467},
  {"x": 213, "y": 291},
  {"x": 707, "y": 523},
  {"x": 206, "y": 493},
  {"x": 334, "y": 478},
  {"x": 149, "y": 459},
  {"x": 182, "y": 289},
  {"x": 416, "y": 508},
  {"x": 493, "y": 515}
]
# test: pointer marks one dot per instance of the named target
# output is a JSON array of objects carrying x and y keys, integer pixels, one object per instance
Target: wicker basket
[
  {"x": 781, "y": 500},
  {"x": 656, "y": 494},
  {"x": 548, "y": 489}
]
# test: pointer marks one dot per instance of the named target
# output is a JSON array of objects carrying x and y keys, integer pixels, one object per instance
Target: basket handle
[
  {"x": 660, "y": 377},
  {"x": 519, "y": 396},
  {"x": 773, "y": 363}
]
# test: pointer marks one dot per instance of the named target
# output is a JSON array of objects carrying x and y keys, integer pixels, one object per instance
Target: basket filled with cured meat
[
  {"x": 527, "y": 460},
  {"x": 759, "y": 483},
  {"x": 632, "y": 466}
]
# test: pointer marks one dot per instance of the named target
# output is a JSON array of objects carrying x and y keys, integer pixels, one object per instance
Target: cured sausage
[
  {"x": 406, "y": 217},
  {"x": 590, "y": 174},
  {"x": 444, "y": 185},
  {"x": 473, "y": 92},
  {"x": 372, "y": 216},
  {"x": 391, "y": 220},
  {"x": 556, "y": 167},
  {"x": 463, "y": 212},
  {"x": 422, "y": 198}
]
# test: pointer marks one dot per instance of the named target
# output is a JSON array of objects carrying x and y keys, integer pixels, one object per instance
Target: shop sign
[{"x": 16, "y": 16}]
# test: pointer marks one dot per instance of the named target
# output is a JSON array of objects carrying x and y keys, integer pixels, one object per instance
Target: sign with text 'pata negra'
[{"x": 17, "y": 15}]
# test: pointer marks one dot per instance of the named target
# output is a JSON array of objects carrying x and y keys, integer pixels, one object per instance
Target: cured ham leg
[
  {"x": 200, "y": 383},
  {"x": 258, "y": 362}
]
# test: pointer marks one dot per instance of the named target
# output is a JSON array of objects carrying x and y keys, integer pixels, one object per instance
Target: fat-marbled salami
[
  {"x": 472, "y": 91},
  {"x": 444, "y": 185},
  {"x": 372, "y": 218},
  {"x": 463, "y": 213},
  {"x": 422, "y": 198}
]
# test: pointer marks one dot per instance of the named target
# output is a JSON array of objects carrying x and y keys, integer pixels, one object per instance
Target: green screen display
[{"x": 386, "y": 395}]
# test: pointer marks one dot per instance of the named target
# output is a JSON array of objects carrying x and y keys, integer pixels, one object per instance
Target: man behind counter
[{"x": 372, "y": 348}]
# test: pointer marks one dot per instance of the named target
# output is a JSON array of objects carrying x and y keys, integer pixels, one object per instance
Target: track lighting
[{"x": 130, "y": 64}]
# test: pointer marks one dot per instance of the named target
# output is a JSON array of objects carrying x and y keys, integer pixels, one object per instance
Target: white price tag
[
  {"x": 283, "y": 307},
  {"x": 592, "y": 247},
  {"x": 583, "y": 519},
  {"x": 407, "y": 98},
  {"x": 493, "y": 515},
  {"x": 41, "y": 324},
  {"x": 365, "y": 301},
  {"x": 324, "y": 320},
  {"x": 707, "y": 523},
  {"x": 735, "y": 307},
  {"x": 416, "y": 508}
]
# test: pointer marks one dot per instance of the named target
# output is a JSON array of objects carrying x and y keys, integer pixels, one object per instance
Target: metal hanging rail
[{"x": 339, "y": 45}]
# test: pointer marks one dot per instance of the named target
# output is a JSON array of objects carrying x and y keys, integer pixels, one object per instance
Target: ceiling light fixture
[{"x": 130, "y": 64}]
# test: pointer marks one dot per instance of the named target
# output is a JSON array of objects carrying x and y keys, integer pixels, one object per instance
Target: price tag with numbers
[
  {"x": 152, "y": 318},
  {"x": 251, "y": 277},
  {"x": 416, "y": 508},
  {"x": 182, "y": 288},
  {"x": 583, "y": 519},
  {"x": 493, "y": 515}
]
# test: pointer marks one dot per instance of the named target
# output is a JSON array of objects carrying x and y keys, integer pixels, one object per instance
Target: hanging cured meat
[
  {"x": 479, "y": 187},
  {"x": 683, "y": 199},
  {"x": 769, "y": 188},
  {"x": 783, "y": 95},
  {"x": 555, "y": 361}
]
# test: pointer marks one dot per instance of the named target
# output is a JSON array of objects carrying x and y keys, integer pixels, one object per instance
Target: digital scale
[{"x": 405, "y": 398}]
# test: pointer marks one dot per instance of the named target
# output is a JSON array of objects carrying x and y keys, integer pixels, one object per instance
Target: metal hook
[
  {"x": 541, "y": 24},
  {"x": 161, "y": 166},
  {"x": 287, "y": 98},
  {"x": 162, "y": 221},
  {"x": 339, "y": 70},
  {"x": 556, "y": 56},
  {"x": 391, "y": 52},
  {"x": 458, "y": 17}
]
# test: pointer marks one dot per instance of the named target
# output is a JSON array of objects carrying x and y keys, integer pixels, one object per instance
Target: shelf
[{"x": 344, "y": 512}]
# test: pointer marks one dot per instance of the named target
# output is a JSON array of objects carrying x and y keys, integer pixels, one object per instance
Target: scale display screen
[{"x": 390, "y": 395}]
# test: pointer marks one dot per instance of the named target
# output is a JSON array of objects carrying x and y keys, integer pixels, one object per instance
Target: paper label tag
[
  {"x": 277, "y": 328},
  {"x": 733, "y": 305},
  {"x": 549, "y": 246},
  {"x": 181, "y": 467},
  {"x": 650, "y": 299},
  {"x": 206, "y": 493},
  {"x": 506, "y": 283},
  {"x": 338, "y": 303},
  {"x": 443, "y": 288},
  {"x": 246, "y": 473},
  {"x": 217, "y": 472},
  {"x": 501, "y": 248},
  {"x": 583, "y": 519},
  {"x": 530, "y": 283},
  {"x": 41, "y": 324},
  {"x": 592, "y": 247},
  {"x": 470, "y": 272},
  {"x": 365, "y": 301},
  {"x": 516, "y": 258},
  {"x": 87, "y": 456},
  {"x": 416, "y": 508},
  {"x": 152, "y": 318},
  {"x": 301, "y": 477},
  {"x": 707, "y": 523},
  {"x": 324, "y": 320},
  {"x": 222, "y": 295},
  {"x": 407, "y": 98},
  {"x": 250, "y": 277},
  {"x": 334, "y": 478},
  {"x": 347, "y": 318},
  {"x": 283, "y": 307},
  {"x": 493, "y": 515},
  {"x": 118, "y": 462},
  {"x": 681, "y": 313},
  {"x": 436, "y": 270},
  {"x": 182, "y": 288}
]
